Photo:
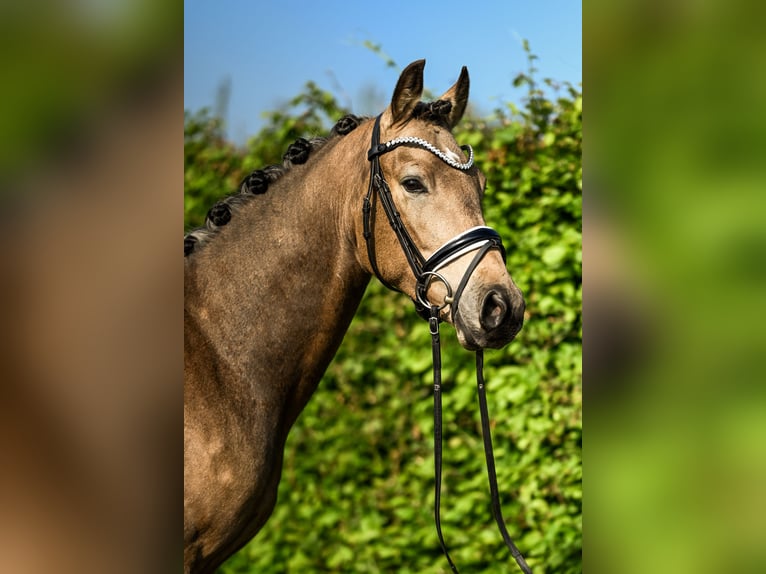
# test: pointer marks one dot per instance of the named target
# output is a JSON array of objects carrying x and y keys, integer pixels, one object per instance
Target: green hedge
[{"x": 357, "y": 488}]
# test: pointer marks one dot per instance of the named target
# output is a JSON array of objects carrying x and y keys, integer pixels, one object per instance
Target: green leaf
[{"x": 554, "y": 255}]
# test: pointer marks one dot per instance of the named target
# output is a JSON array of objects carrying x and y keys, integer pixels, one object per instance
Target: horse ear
[
  {"x": 408, "y": 91},
  {"x": 458, "y": 96}
]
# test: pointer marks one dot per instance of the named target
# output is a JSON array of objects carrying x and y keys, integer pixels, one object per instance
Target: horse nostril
[{"x": 493, "y": 311}]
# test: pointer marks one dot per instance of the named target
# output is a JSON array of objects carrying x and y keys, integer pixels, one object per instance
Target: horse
[{"x": 274, "y": 278}]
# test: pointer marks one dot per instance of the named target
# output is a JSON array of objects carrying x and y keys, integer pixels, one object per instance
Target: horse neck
[{"x": 273, "y": 293}]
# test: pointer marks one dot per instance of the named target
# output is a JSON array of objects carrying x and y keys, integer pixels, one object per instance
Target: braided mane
[{"x": 258, "y": 182}]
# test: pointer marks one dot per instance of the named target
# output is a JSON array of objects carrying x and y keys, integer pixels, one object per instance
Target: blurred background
[
  {"x": 674, "y": 246},
  {"x": 90, "y": 296}
]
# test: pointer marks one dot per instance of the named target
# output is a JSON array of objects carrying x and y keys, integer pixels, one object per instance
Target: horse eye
[{"x": 412, "y": 185}]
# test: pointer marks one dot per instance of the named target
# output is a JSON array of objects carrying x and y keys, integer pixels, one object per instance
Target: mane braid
[{"x": 258, "y": 182}]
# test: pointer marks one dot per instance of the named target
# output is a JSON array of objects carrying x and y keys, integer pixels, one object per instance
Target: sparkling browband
[{"x": 389, "y": 145}]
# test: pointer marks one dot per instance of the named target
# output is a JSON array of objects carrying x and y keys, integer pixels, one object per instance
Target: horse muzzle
[
  {"x": 491, "y": 318},
  {"x": 491, "y": 312}
]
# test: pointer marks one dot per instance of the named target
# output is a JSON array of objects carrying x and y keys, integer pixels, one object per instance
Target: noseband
[{"x": 426, "y": 271}]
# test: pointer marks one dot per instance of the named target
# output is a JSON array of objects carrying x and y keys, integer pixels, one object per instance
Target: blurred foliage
[
  {"x": 357, "y": 486},
  {"x": 66, "y": 65},
  {"x": 676, "y": 148}
]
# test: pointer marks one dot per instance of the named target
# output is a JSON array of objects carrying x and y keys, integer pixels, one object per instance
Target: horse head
[{"x": 435, "y": 246}]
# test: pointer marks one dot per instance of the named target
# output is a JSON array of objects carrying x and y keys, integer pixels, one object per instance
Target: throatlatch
[{"x": 481, "y": 239}]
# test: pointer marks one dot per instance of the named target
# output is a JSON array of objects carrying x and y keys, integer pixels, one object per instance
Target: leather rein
[{"x": 481, "y": 239}]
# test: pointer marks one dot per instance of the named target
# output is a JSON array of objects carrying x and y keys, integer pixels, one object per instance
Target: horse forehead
[{"x": 444, "y": 139}]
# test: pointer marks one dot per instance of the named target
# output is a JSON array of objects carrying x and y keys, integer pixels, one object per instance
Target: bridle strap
[
  {"x": 467, "y": 275},
  {"x": 462, "y": 244},
  {"x": 433, "y": 324},
  {"x": 497, "y": 511},
  {"x": 379, "y": 187},
  {"x": 425, "y": 270}
]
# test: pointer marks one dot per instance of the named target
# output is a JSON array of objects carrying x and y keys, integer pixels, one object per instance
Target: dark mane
[{"x": 258, "y": 182}]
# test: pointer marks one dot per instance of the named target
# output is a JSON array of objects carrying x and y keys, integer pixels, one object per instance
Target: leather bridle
[{"x": 481, "y": 239}]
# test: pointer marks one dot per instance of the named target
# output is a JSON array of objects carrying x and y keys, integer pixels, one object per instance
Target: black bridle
[{"x": 481, "y": 239}]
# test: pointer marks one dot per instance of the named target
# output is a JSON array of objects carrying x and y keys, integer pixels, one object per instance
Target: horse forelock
[{"x": 436, "y": 112}]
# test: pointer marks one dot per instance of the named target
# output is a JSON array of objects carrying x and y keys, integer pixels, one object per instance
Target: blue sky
[{"x": 268, "y": 49}]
